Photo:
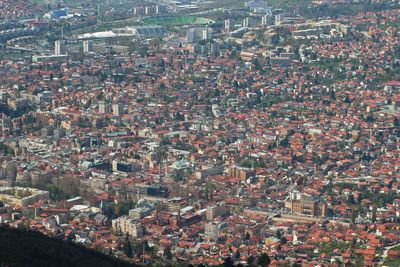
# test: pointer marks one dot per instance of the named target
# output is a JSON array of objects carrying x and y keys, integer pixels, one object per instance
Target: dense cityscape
[{"x": 203, "y": 133}]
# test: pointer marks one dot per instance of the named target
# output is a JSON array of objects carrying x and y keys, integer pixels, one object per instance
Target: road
[
  {"x": 385, "y": 253},
  {"x": 284, "y": 217}
]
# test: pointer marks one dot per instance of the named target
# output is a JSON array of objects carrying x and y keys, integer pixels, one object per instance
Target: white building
[
  {"x": 60, "y": 47},
  {"x": 126, "y": 225},
  {"x": 228, "y": 25},
  {"x": 118, "y": 109},
  {"x": 87, "y": 46},
  {"x": 104, "y": 107},
  {"x": 195, "y": 35}
]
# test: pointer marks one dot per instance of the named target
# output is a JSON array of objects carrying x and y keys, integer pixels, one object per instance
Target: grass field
[
  {"x": 175, "y": 20},
  {"x": 393, "y": 262}
]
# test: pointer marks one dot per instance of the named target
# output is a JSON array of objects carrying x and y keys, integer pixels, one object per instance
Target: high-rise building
[
  {"x": 127, "y": 225},
  {"x": 214, "y": 49},
  {"x": 279, "y": 19},
  {"x": 118, "y": 109},
  {"x": 248, "y": 22},
  {"x": 104, "y": 108},
  {"x": 215, "y": 211},
  {"x": 211, "y": 231},
  {"x": 87, "y": 46},
  {"x": 228, "y": 25},
  {"x": 240, "y": 173},
  {"x": 195, "y": 35},
  {"x": 40, "y": 178},
  {"x": 9, "y": 170},
  {"x": 214, "y": 229},
  {"x": 137, "y": 11},
  {"x": 148, "y": 10},
  {"x": 159, "y": 9},
  {"x": 109, "y": 50},
  {"x": 264, "y": 20},
  {"x": 60, "y": 47}
]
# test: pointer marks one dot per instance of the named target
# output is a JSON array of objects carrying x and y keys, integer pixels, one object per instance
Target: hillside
[{"x": 22, "y": 248}]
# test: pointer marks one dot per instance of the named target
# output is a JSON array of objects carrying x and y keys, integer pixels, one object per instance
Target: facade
[
  {"x": 48, "y": 58},
  {"x": 215, "y": 211},
  {"x": 139, "y": 213},
  {"x": 240, "y": 173},
  {"x": 228, "y": 25},
  {"x": 214, "y": 229},
  {"x": 305, "y": 205},
  {"x": 8, "y": 170},
  {"x": 127, "y": 225},
  {"x": 248, "y": 22},
  {"x": 211, "y": 231},
  {"x": 22, "y": 196},
  {"x": 40, "y": 178},
  {"x": 60, "y": 47},
  {"x": 87, "y": 46},
  {"x": 209, "y": 171},
  {"x": 266, "y": 20},
  {"x": 195, "y": 35},
  {"x": 117, "y": 109},
  {"x": 104, "y": 108}
]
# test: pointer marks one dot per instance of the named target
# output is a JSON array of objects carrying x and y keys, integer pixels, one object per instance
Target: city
[{"x": 202, "y": 133}]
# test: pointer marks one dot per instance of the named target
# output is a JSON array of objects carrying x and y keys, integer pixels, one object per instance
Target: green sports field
[{"x": 175, "y": 20}]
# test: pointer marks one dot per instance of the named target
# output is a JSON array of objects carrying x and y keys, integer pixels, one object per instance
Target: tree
[
  {"x": 369, "y": 118},
  {"x": 55, "y": 193},
  {"x": 237, "y": 254},
  {"x": 122, "y": 208},
  {"x": 263, "y": 260},
  {"x": 373, "y": 219},
  {"x": 353, "y": 243},
  {"x": 350, "y": 200},
  {"x": 178, "y": 175},
  {"x": 354, "y": 214},
  {"x": 396, "y": 122},
  {"x": 71, "y": 237},
  {"x": 69, "y": 185},
  {"x": 209, "y": 189},
  {"x": 167, "y": 253},
  {"x": 162, "y": 87},
  {"x": 127, "y": 248},
  {"x": 332, "y": 95},
  {"x": 179, "y": 117},
  {"x": 250, "y": 260},
  {"x": 228, "y": 262},
  {"x": 278, "y": 234},
  {"x": 247, "y": 236}
]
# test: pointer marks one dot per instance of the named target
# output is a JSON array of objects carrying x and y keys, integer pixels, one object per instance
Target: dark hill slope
[{"x": 26, "y": 248}]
